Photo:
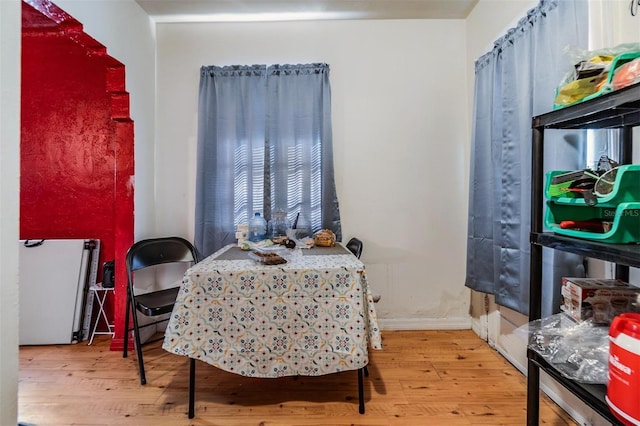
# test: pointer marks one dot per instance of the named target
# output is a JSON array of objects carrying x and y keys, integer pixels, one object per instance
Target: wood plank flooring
[{"x": 419, "y": 378}]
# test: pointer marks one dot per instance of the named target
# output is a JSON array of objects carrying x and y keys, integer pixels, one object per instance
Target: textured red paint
[{"x": 76, "y": 142}]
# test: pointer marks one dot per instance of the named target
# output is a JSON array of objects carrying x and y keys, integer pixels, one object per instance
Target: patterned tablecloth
[{"x": 313, "y": 315}]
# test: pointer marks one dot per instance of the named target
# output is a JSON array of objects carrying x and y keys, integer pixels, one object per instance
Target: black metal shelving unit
[{"x": 615, "y": 110}]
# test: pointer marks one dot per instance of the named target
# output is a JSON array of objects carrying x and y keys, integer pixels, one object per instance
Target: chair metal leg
[
  {"x": 126, "y": 325},
  {"x": 136, "y": 335},
  {"x": 360, "y": 391},
  {"x": 143, "y": 377},
  {"x": 192, "y": 387}
]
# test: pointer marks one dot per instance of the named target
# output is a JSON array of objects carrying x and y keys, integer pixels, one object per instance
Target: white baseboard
[
  {"x": 425, "y": 324},
  {"x": 480, "y": 328}
]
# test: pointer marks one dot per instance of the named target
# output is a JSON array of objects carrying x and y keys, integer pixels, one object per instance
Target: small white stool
[{"x": 101, "y": 295}]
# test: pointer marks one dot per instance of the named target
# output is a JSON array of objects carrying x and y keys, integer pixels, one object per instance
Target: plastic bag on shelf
[
  {"x": 589, "y": 72},
  {"x": 578, "y": 350},
  {"x": 582, "y": 59}
]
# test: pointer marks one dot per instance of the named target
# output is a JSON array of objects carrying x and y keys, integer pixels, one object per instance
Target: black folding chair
[
  {"x": 145, "y": 254},
  {"x": 355, "y": 246}
]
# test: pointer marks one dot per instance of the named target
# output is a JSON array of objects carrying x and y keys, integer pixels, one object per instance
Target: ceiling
[{"x": 286, "y": 10}]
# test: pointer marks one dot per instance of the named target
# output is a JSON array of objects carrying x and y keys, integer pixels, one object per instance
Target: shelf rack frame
[{"x": 616, "y": 110}]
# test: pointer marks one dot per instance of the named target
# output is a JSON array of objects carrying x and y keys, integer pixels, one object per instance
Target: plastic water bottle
[{"x": 257, "y": 228}]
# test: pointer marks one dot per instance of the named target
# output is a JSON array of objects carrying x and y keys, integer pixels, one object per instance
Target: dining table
[{"x": 311, "y": 315}]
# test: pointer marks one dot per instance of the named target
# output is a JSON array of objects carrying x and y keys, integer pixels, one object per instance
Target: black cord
[{"x": 633, "y": 7}]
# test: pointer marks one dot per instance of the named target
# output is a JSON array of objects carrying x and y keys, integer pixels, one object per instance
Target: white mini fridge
[{"x": 54, "y": 281}]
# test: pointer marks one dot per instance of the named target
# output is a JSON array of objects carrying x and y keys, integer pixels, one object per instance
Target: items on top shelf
[{"x": 599, "y": 72}]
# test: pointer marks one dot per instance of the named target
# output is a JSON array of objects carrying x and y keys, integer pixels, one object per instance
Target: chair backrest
[
  {"x": 156, "y": 251},
  {"x": 355, "y": 246}
]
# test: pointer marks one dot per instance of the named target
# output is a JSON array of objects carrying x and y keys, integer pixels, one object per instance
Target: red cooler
[{"x": 623, "y": 388}]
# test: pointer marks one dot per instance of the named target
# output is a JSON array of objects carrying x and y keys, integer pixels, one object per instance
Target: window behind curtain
[{"x": 264, "y": 143}]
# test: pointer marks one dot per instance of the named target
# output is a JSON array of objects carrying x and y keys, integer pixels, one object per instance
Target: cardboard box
[{"x": 597, "y": 299}]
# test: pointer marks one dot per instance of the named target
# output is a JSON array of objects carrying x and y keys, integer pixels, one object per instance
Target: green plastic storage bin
[
  {"x": 626, "y": 188},
  {"x": 625, "y": 221}
]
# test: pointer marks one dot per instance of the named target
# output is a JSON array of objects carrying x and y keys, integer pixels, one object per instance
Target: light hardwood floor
[{"x": 419, "y": 378}]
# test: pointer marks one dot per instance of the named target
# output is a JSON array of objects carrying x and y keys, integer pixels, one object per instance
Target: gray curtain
[
  {"x": 514, "y": 82},
  {"x": 300, "y": 145},
  {"x": 264, "y": 143}
]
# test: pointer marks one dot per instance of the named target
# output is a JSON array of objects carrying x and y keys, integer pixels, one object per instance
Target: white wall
[
  {"x": 399, "y": 101},
  {"x": 610, "y": 24},
  {"x": 9, "y": 182},
  {"x": 128, "y": 34},
  {"x": 126, "y": 30}
]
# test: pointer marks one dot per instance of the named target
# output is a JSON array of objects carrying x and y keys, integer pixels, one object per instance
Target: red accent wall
[{"x": 76, "y": 142}]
